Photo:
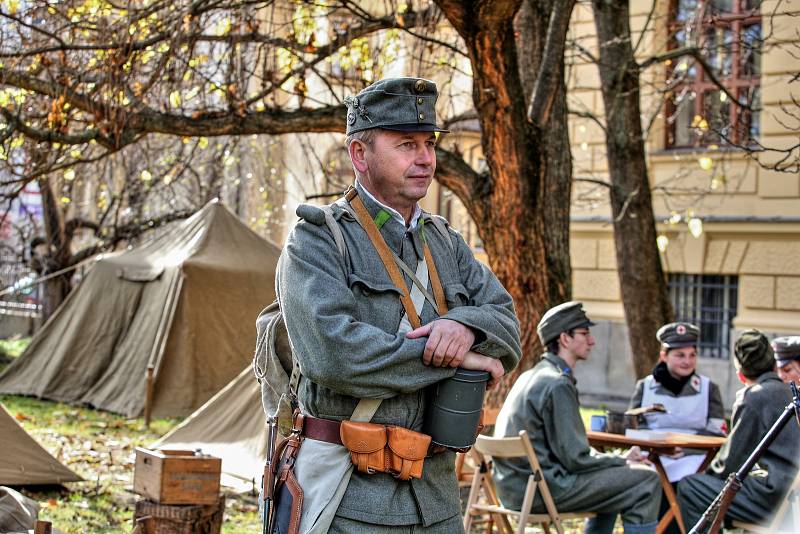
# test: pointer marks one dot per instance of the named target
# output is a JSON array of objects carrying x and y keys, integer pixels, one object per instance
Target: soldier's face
[
  {"x": 681, "y": 362},
  {"x": 400, "y": 167},
  {"x": 790, "y": 372},
  {"x": 580, "y": 343}
]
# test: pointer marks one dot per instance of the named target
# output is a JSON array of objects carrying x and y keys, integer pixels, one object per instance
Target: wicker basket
[{"x": 181, "y": 519}]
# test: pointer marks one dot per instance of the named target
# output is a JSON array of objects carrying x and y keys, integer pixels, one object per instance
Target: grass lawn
[{"x": 99, "y": 446}]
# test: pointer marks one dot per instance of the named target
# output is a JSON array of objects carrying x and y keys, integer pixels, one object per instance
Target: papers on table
[{"x": 677, "y": 468}]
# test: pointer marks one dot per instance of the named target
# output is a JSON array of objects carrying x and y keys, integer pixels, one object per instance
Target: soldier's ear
[
  {"x": 358, "y": 155},
  {"x": 563, "y": 339}
]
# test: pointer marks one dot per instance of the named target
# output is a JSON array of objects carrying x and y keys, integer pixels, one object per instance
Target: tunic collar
[
  {"x": 391, "y": 211},
  {"x": 559, "y": 362},
  {"x": 770, "y": 375}
]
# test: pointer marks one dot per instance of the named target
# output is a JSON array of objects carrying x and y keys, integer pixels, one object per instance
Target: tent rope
[{"x": 15, "y": 289}]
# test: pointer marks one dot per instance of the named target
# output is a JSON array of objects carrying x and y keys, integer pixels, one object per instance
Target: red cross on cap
[{"x": 681, "y": 329}]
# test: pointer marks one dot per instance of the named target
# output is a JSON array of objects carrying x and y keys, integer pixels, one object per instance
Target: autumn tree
[
  {"x": 88, "y": 81},
  {"x": 87, "y": 78}
]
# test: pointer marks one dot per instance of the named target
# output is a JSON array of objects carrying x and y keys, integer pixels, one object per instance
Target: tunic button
[
  {"x": 421, "y": 116},
  {"x": 420, "y": 101},
  {"x": 420, "y": 86}
]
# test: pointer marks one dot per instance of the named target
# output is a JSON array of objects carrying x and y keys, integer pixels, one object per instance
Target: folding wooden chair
[
  {"x": 792, "y": 501},
  {"x": 513, "y": 447}
]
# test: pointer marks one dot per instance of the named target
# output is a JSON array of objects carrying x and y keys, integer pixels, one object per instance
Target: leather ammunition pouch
[{"x": 385, "y": 449}]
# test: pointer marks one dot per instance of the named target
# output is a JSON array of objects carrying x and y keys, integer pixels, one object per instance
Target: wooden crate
[
  {"x": 176, "y": 477},
  {"x": 158, "y": 518}
]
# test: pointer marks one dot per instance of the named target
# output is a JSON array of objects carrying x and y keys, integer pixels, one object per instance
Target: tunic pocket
[{"x": 377, "y": 301}]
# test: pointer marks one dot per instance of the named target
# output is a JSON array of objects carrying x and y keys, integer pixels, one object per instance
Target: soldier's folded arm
[
  {"x": 333, "y": 347},
  {"x": 489, "y": 309}
]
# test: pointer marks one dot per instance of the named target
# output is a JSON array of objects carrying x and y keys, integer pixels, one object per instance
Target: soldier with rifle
[{"x": 757, "y": 407}]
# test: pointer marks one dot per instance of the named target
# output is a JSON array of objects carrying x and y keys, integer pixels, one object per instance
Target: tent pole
[{"x": 148, "y": 397}]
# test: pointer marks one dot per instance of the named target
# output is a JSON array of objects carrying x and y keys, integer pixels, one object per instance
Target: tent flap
[{"x": 140, "y": 274}]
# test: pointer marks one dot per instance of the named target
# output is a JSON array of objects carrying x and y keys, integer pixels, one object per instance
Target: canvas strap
[
  {"x": 388, "y": 258},
  {"x": 419, "y": 279}
]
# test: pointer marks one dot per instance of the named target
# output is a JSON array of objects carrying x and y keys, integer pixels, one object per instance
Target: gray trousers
[
  {"x": 634, "y": 493},
  {"x": 341, "y": 525},
  {"x": 696, "y": 492}
]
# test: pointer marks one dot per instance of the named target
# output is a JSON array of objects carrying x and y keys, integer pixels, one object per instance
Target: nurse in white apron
[{"x": 693, "y": 402}]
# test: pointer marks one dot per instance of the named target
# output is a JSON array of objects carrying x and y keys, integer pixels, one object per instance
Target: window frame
[
  {"x": 687, "y": 292},
  {"x": 737, "y": 82}
]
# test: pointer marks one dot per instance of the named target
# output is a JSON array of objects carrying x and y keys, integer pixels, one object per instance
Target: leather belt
[{"x": 321, "y": 429}]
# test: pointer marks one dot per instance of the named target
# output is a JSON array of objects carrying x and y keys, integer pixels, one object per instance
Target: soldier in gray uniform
[
  {"x": 544, "y": 401},
  {"x": 758, "y": 405},
  {"x": 787, "y": 358},
  {"x": 346, "y": 322}
]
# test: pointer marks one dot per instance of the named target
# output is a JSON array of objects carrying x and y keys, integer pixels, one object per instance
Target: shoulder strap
[
  {"x": 385, "y": 254},
  {"x": 442, "y": 228},
  {"x": 333, "y": 226}
]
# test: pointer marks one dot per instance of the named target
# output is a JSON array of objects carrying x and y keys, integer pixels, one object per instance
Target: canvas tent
[
  {"x": 230, "y": 426},
  {"x": 25, "y": 462},
  {"x": 183, "y": 304}
]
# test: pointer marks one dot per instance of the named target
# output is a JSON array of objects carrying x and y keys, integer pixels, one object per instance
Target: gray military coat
[
  {"x": 755, "y": 410},
  {"x": 342, "y": 315},
  {"x": 544, "y": 401}
]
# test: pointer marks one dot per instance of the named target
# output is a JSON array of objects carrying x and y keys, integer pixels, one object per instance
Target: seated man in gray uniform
[
  {"x": 787, "y": 358},
  {"x": 362, "y": 330},
  {"x": 544, "y": 401},
  {"x": 758, "y": 405}
]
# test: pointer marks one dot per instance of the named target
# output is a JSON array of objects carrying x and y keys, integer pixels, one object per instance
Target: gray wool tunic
[
  {"x": 754, "y": 412},
  {"x": 342, "y": 315},
  {"x": 544, "y": 401}
]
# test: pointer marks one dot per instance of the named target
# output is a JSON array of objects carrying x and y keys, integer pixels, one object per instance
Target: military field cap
[
  {"x": 678, "y": 335},
  {"x": 562, "y": 318},
  {"x": 754, "y": 353},
  {"x": 402, "y": 104},
  {"x": 786, "y": 349}
]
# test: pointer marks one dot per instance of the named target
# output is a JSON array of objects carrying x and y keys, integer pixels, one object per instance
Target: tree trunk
[
  {"x": 519, "y": 207},
  {"x": 57, "y": 256},
  {"x": 644, "y": 291},
  {"x": 54, "y": 292}
]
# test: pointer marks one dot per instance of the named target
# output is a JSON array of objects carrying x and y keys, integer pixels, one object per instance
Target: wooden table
[{"x": 662, "y": 444}]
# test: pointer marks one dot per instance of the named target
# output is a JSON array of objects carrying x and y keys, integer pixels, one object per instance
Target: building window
[
  {"x": 729, "y": 34},
  {"x": 709, "y": 301}
]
